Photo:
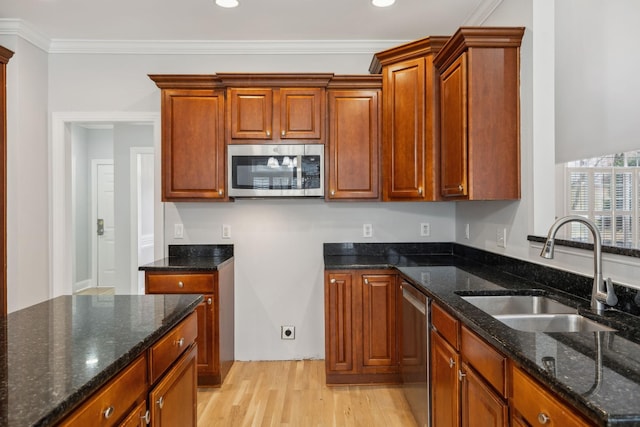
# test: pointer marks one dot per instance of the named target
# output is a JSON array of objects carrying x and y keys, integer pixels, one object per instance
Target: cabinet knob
[
  {"x": 268, "y": 133},
  {"x": 108, "y": 412},
  {"x": 180, "y": 342},
  {"x": 160, "y": 402},
  {"x": 332, "y": 281},
  {"x": 284, "y": 133},
  {"x": 543, "y": 418},
  {"x": 146, "y": 417},
  {"x": 460, "y": 187},
  {"x": 366, "y": 281},
  {"x": 333, "y": 192},
  {"x": 221, "y": 192},
  {"x": 209, "y": 301},
  {"x": 461, "y": 375},
  {"x": 180, "y": 284},
  {"x": 451, "y": 362},
  {"x": 420, "y": 190}
]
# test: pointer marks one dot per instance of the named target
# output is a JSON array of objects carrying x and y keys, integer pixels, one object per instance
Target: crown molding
[
  {"x": 481, "y": 13},
  {"x": 215, "y": 47},
  {"x": 24, "y": 30}
]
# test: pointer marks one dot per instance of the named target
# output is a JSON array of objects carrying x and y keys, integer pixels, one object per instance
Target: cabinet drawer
[
  {"x": 115, "y": 400},
  {"x": 484, "y": 359},
  {"x": 446, "y": 325},
  {"x": 171, "y": 346},
  {"x": 179, "y": 283},
  {"x": 535, "y": 404}
]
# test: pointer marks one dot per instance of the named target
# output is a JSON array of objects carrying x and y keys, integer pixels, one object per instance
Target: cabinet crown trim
[
  {"x": 477, "y": 37},
  {"x": 411, "y": 50},
  {"x": 186, "y": 81}
]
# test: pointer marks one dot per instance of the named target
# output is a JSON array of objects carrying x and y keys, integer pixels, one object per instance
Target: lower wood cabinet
[
  {"x": 174, "y": 398},
  {"x": 445, "y": 388},
  {"x": 158, "y": 388},
  {"x": 532, "y": 404},
  {"x": 215, "y": 315},
  {"x": 360, "y": 327}
]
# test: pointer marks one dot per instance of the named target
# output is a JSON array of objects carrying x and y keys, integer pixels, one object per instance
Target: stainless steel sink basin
[
  {"x": 551, "y": 323},
  {"x": 517, "y": 304}
]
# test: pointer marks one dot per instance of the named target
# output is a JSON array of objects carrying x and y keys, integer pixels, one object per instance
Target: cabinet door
[
  {"x": 173, "y": 400},
  {"x": 404, "y": 130},
  {"x": 208, "y": 363},
  {"x": 338, "y": 322},
  {"x": 301, "y": 113},
  {"x": 193, "y": 153},
  {"x": 353, "y": 144},
  {"x": 379, "y": 296},
  {"x": 251, "y": 113},
  {"x": 445, "y": 387},
  {"x": 481, "y": 406},
  {"x": 453, "y": 128}
]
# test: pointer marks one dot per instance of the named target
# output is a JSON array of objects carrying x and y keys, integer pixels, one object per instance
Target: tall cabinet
[
  {"x": 480, "y": 114},
  {"x": 5, "y": 55},
  {"x": 410, "y": 153}
]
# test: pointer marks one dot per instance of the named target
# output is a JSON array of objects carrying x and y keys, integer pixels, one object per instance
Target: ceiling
[{"x": 252, "y": 20}]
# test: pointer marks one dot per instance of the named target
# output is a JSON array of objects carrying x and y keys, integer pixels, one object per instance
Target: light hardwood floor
[{"x": 294, "y": 393}]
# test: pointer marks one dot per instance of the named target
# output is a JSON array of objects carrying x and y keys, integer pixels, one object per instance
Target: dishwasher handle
[{"x": 421, "y": 306}]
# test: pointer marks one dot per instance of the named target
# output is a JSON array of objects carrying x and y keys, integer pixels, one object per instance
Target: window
[{"x": 605, "y": 189}]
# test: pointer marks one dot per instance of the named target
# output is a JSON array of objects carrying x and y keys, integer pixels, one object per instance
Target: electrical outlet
[
  {"x": 367, "y": 230},
  {"x": 287, "y": 332},
  {"x": 425, "y": 229},
  {"x": 226, "y": 231},
  {"x": 178, "y": 231},
  {"x": 466, "y": 232},
  {"x": 501, "y": 237}
]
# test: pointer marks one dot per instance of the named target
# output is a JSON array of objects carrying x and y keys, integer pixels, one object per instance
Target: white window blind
[{"x": 605, "y": 189}]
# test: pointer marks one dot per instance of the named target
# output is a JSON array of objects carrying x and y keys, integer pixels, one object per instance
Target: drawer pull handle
[
  {"x": 181, "y": 284},
  {"x": 543, "y": 418},
  {"x": 108, "y": 412},
  {"x": 180, "y": 342},
  {"x": 160, "y": 402},
  {"x": 147, "y": 417},
  {"x": 209, "y": 301},
  {"x": 332, "y": 281},
  {"x": 451, "y": 362}
]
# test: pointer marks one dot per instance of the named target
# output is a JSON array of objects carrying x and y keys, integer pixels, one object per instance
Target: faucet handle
[{"x": 612, "y": 298}]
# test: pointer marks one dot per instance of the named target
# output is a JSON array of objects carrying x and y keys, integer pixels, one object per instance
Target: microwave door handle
[{"x": 299, "y": 172}]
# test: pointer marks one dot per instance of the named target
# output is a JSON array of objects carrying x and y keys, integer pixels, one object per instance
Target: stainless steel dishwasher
[{"x": 414, "y": 356}]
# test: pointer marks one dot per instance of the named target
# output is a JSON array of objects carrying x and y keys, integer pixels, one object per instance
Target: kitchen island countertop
[{"x": 55, "y": 354}]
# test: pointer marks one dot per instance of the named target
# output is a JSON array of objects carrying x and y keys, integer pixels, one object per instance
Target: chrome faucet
[{"x": 602, "y": 292}]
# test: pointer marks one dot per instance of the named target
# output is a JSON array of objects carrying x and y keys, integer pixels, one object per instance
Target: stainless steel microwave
[{"x": 269, "y": 170}]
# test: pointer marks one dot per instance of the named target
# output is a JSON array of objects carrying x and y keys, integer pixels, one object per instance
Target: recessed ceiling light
[
  {"x": 228, "y": 3},
  {"x": 382, "y": 3}
]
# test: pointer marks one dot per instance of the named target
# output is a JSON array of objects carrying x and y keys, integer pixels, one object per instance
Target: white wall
[{"x": 27, "y": 175}]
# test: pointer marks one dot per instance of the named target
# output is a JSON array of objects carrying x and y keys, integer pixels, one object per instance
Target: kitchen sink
[
  {"x": 517, "y": 304},
  {"x": 551, "y": 323}
]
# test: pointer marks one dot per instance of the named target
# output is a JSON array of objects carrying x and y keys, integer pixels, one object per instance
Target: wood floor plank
[{"x": 294, "y": 393}]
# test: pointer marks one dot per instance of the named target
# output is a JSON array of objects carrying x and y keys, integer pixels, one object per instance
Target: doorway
[{"x": 131, "y": 131}]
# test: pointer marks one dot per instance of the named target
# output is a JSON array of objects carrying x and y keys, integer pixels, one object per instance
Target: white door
[{"x": 104, "y": 226}]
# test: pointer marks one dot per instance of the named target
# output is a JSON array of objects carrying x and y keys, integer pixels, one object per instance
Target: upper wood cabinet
[
  {"x": 354, "y": 135},
  {"x": 275, "y": 108},
  {"x": 410, "y": 126},
  {"x": 193, "y": 146},
  {"x": 5, "y": 55},
  {"x": 480, "y": 114}
]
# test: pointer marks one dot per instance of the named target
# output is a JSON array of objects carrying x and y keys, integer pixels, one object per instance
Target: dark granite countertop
[
  {"x": 193, "y": 258},
  {"x": 446, "y": 274},
  {"x": 56, "y": 353}
]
